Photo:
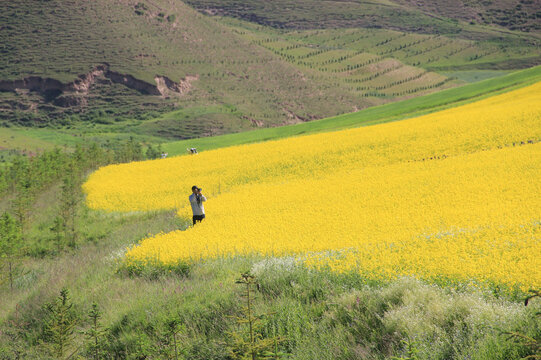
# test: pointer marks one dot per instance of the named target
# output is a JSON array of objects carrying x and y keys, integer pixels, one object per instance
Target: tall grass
[{"x": 319, "y": 315}]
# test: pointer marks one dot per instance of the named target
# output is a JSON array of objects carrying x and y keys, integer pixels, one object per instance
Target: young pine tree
[
  {"x": 22, "y": 203},
  {"x": 60, "y": 324},
  {"x": 249, "y": 343},
  {"x": 58, "y": 229},
  {"x": 4, "y": 183},
  {"x": 173, "y": 328},
  {"x": 69, "y": 200},
  {"x": 152, "y": 152},
  {"x": 95, "y": 335},
  {"x": 10, "y": 242}
]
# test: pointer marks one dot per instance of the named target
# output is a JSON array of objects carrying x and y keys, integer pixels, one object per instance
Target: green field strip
[
  {"x": 356, "y": 61},
  {"x": 331, "y": 56},
  {"x": 299, "y": 52},
  {"x": 416, "y": 87},
  {"x": 399, "y": 76},
  {"x": 18, "y": 140},
  {"x": 373, "y": 70}
]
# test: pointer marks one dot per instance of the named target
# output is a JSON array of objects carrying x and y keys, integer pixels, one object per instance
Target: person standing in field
[{"x": 196, "y": 200}]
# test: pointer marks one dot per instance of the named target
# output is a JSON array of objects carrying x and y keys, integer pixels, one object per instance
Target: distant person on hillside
[
  {"x": 196, "y": 200},
  {"x": 192, "y": 151},
  {"x": 164, "y": 155}
]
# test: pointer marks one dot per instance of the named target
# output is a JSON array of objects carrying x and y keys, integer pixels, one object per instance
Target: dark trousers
[{"x": 197, "y": 218}]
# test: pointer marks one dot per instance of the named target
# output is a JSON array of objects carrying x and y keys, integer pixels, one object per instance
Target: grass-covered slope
[
  {"x": 382, "y": 65},
  {"x": 512, "y": 14},
  {"x": 339, "y": 50},
  {"x": 110, "y": 60},
  {"x": 388, "y": 112},
  {"x": 109, "y": 66},
  {"x": 31, "y": 140},
  {"x": 416, "y": 16}
]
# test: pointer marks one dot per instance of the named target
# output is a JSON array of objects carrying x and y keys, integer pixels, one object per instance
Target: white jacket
[{"x": 197, "y": 209}]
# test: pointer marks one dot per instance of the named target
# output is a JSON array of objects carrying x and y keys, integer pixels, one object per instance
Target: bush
[
  {"x": 104, "y": 121},
  {"x": 353, "y": 317}
]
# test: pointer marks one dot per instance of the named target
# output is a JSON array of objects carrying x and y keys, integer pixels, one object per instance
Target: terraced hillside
[
  {"x": 108, "y": 61},
  {"x": 386, "y": 64},
  {"x": 431, "y": 52},
  {"x": 161, "y": 68}
]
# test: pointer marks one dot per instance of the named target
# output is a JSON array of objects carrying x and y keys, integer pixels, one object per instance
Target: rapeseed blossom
[{"x": 453, "y": 194}]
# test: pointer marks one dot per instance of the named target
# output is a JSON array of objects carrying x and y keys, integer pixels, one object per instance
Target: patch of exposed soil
[
  {"x": 75, "y": 93},
  {"x": 168, "y": 88}
]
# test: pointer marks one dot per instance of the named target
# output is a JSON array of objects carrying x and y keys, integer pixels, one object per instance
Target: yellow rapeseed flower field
[{"x": 450, "y": 195}]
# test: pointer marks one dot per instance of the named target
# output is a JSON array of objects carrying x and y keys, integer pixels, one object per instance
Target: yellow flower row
[{"x": 453, "y": 194}]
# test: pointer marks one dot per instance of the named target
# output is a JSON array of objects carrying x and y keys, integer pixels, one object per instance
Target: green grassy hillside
[
  {"x": 162, "y": 70},
  {"x": 375, "y": 115},
  {"x": 513, "y": 14},
  {"x": 382, "y": 65},
  {"x": 111, "y": 61},
  {"x": 31, "y": 140},
  {"x": 432, "y": 17}
]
